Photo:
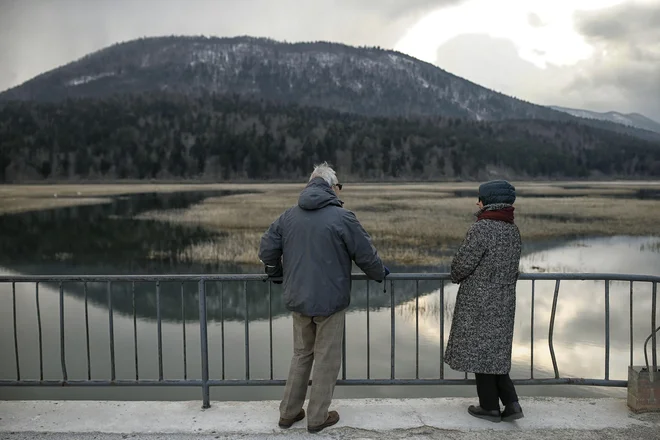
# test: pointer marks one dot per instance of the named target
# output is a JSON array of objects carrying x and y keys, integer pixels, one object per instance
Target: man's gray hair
[{"x": 325, "y": 172}]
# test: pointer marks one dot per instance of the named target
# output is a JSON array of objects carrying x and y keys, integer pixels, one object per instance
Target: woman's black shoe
[
  {"x": 491, "y": 416},
  {"x": 512, "y": 412}
]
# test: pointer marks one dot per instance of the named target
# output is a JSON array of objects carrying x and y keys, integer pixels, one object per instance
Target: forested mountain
[
  {"x": 367, "y": 81},
  {"x": 171, "y": 135}
]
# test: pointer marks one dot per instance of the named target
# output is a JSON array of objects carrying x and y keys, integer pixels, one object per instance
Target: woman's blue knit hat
[{"x": 497, "y": 191}]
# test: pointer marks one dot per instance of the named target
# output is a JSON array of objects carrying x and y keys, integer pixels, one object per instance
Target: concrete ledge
[{"x": 360, "y": 418}]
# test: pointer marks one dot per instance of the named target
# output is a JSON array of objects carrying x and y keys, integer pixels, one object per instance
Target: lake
[{"x": 105, "y": 239}]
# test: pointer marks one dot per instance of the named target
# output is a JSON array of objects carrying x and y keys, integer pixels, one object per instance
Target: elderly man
[{"x": 311, "y": 246}]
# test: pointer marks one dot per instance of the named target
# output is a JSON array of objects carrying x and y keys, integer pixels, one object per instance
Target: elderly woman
[{"x": 486, "y": 267}]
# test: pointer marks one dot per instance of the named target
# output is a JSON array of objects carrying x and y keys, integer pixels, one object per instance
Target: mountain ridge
[
  {"x": 208, "y": 61},
  {"x": 361, "y": 80},
  {"x": 630, "y": 119}
]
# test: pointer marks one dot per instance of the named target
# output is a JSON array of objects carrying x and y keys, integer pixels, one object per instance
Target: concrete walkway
[{"x": 545, "y": 418}]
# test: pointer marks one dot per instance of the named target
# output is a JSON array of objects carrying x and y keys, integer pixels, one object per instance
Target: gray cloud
[
  {"x": 393, "y": 9},
  {"x": 626, "y": 63},
  {"x": 623, "y": 74},
  {"x": 495, "y": 63},
  {"x": 38, "y": 35},
  {"x": 621, "y": 22}
]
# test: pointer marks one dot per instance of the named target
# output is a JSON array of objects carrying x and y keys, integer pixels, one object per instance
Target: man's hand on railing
[
  {"x": 274, "y": 273},
  {"x": 387, "y": 272}
]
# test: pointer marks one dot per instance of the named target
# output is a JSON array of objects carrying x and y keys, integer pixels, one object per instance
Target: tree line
[{"x": 221, "y": 138}]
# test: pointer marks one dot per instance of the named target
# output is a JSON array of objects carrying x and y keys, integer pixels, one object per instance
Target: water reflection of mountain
[{"x": 226, "y": 300}]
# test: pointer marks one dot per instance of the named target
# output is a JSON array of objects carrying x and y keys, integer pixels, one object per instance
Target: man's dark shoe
[
  {"x": 288, "y": 423},
  {"x": 479, "y": 412},
  {"x": 333, "y": 418},
  {"x": 512, "y": 412}
]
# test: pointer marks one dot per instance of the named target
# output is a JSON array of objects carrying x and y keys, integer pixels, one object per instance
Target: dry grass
[
  {"x": 415, "y": 224},
  {"x": 23, "y": 198}
]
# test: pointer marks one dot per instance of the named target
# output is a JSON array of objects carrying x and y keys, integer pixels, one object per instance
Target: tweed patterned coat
[{"x": 486, "y": 266}]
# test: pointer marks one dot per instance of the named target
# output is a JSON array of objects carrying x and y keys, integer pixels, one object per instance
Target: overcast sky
[{"x": 593, "y": 54}]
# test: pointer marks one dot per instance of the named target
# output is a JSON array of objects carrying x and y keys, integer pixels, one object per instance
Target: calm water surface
[{"x": 104, "y": 239}]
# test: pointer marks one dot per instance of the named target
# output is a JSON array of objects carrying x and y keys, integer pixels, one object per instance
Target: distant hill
[{"x": 630, "y": 119}]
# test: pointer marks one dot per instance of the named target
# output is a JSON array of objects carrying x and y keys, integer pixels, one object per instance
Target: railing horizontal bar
[
  {"x": 280, "y": 382},
  {"x": 349, "y": 382},
  {"x": 108, "y": 383},
  {"x": 355, "y": 276},
  {"x": 353, "y": 382}
]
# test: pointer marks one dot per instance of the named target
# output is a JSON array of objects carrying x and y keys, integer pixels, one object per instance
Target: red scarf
[{"x": 503, "y": 215}]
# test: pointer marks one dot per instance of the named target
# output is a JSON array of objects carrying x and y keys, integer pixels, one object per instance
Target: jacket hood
[{"x": 318, "y": 194}]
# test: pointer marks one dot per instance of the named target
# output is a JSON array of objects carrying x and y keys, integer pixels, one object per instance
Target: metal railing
[{"x": 205, "y": 382}]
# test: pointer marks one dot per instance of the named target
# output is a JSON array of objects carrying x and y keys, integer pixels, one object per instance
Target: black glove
[
  {"x": 274, "y": 273},
  {"x": 387, "y": 272}
]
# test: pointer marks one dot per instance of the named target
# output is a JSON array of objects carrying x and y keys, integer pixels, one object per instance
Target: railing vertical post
[
  {"x": 631, "y": 323},
  {"x": 160, "y": 333},
  {"x": 654, "y": 346},
  {"x": 65, "y": 376},
  {"x": 41, "y": 347},
  {"x": 135, "y": 341},
  {"x": 13, "y": 302},
  {"x": 111, "y": 332},
  {"x": 203, "y": 338},
  {"x": 89, "y": 356},
  {"x": 183, "y": 326},
  {"x": 392, "y": 330},
  {"x": 551, "y": 330},
  {"x": 416, "y": 329},
  {"x": 222, "y": 327},
  {"x": 368, "y": 336},
  {"x": 442, "y": 329},
  {"x": 270, "y": 327},
  {"x": 531, "y": 350},
  {"x": 247, "y": 333},
  {"x": 343, "y": 352},
  {"x": 607, "y": 329}
]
